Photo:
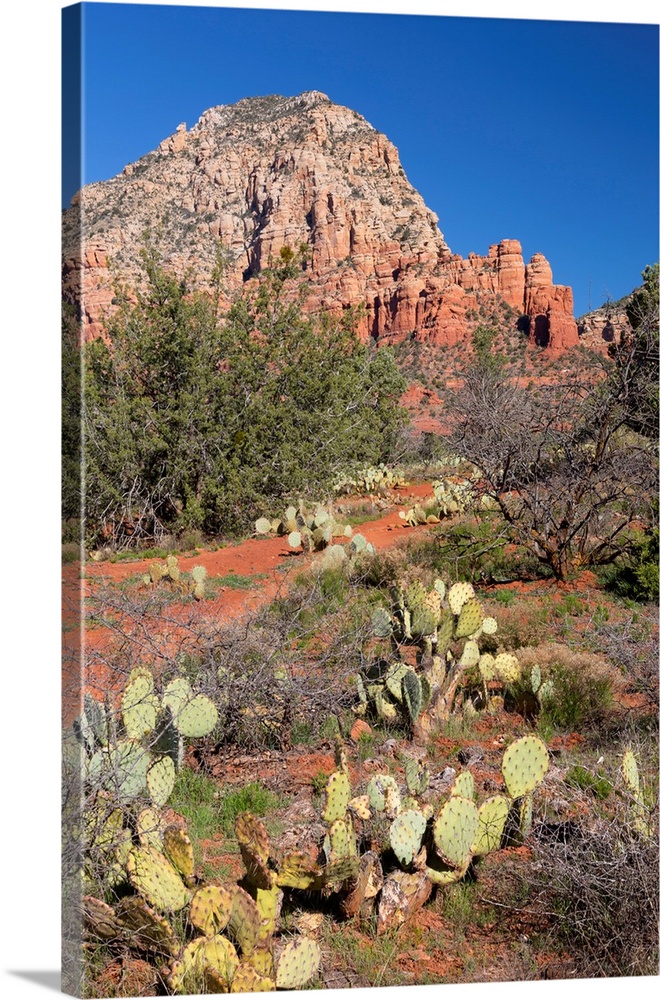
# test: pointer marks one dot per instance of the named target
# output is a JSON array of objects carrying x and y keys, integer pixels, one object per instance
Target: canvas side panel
[{"x": 72, "y": 528}]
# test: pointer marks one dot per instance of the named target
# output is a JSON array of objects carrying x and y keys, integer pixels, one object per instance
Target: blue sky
[{"x": 543, "y": 131}]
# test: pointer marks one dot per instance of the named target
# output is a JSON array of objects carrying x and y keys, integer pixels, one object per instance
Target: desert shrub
[
  {"x": 235, "y": 413},
  {"x": 635, "y": 575},
  {"x": 601, "y": 885},
  {"x": 479, "y": 550},
  {"x": 583, "y": 685},
  {"x": 631, "y": 644}
]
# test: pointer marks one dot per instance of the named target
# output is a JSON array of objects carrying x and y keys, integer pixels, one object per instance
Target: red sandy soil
[{"x": 273, "y": 564}]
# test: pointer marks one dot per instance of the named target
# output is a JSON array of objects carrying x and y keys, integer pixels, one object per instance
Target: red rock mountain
[{"x": 273, "y": 171}]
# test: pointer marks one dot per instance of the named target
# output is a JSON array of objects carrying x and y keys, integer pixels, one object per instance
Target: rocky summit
[{"x": 270, "y": 172}]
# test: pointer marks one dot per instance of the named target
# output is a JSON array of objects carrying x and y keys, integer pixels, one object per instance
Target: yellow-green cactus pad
[
  {"x": 210, "y": 909},
  {"x": 219, "y": 955},
  {"x": 507, "y": 668},
  {"x": 463, "y": 785},
  {"x": 254, "y": 844},
  {"x": 487, "y": 667},
  {"x": 196, "y": 718},
  {"x": 160, "y": 780},
  {"x": 493, "y": 814},
  {"x": 359, "y": 806},
  {"x": 269, "y": 904},
  {"x": 524, "y": 765},
  {"x": 470, "y": 655},
  {"x": 177, "y": 847},
  {"x": 151, "y": 874},
  {"x": 342, "y": 839},
  {"x": 489, "y": 626},
  {"x": 470, "y": 619},
  {"x": 337, "y": 797},
  {"x": 244, "y": 925},
  {"x": 297, "y": 964},
  {"x": 406, "y": 833},
  {"x": 455, "y": 829},
  {"x": 139, "y": 704},
  {"x": 459, "y": 595},
  {"x": 297, "y": 871},
  {"x": 150, "y": 828},
  {"x": 262, "y": 961},
  {"x": 630, "y": 772},
  {"x": 247, "y": 980}
]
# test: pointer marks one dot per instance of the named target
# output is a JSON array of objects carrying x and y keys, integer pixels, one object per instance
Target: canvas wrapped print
[{"x": 360, "y": 518}]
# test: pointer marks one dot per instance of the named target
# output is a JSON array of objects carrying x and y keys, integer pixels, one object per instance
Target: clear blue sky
[{"x": 542, "y": 131}]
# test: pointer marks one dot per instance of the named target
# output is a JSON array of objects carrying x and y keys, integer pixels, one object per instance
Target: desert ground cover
[{"x": 276, "y": 645}]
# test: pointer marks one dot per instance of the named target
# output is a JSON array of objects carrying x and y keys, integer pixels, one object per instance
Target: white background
[{"x": 29, "y": 521}]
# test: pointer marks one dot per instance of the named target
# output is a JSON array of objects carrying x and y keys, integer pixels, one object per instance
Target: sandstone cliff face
[
  {"x": 273, "y": 171},
  {"x": 603, "y": 327}
]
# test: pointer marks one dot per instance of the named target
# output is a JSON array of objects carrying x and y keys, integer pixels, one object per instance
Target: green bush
[{"x": 198, "y": 423}]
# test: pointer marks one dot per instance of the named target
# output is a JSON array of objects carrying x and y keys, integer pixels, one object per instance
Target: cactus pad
[
  {"x": 470, "y": 655},
  {"x": 487, "y": 667},
  {"x": 411, "y": 689},
  {"x": 210, "y": 909},
  {"x": 381, "y": 623},
  {"x": 197, "y": 718},
  {"x": 417, "y": 776},
  {"x": 247, "y": 980},
  {"x": 359, "y": 806},
  {"x": 177, "y": 848},
  {"x": 406, "y": 833},
  {"x": 151, "y": 874},
  {"x": 459, "y": 595},
  {"x": 160, "y": 780},
  {"x": 188, "y": 967},
  {"x": 445, "y": 633},
  {"x": 253, "y": 841},
  {"x": 150, "y": 828},
  {"x": 220, "y": 959},
  {"x": 376, "y": 788},
  {"x": 297, "y": 963},
  {"x": 630, "y": 772},
  {"x": 524, "y": 765},
  {"x": 434, "y": 604},
  {"x": 139, "y": 704},
  {"x": 262, "y": 526},
  {"x": 245, "y": 922},
  {"x": 489, "y": 626},
  {"x": 148, "y": 929},
  {"x": 470, "y": 619},
  {"x": 463, "y": 785},
  {"x": 337, "y": 796},
  {"x": 269, "y": 904},
  {"x": 492, "y": 818},
  {"x": 297, "y": 871},
  {"x": 342, "y": 839},
  {"x": 455, "y": 830},
  {"x": 394, "y": 676},
  {"x": 507, "y": 668}
]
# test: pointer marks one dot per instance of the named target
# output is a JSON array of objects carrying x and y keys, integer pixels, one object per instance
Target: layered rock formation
[{"x": 272, "y": 172}]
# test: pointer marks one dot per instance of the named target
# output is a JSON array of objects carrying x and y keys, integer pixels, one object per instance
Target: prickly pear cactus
[
  {"x": 455, "y": 830},
  {"x": 297, "y": 964},
  {"x": 406, "y": 833},
  {"x": 524, "y": 765},
  {"x": 210, "y": 909},
  {"x": 493, "y": 815},
  {"x": 337, "y": 796},
  {"x": 151, "y": 874}
]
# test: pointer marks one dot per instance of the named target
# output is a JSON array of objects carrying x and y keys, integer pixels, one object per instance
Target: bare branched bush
[{"x": 600, "y": 883}]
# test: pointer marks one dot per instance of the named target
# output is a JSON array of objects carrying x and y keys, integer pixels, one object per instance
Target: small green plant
[
  {"x": 596, "y": 784},
  {"x": 253, "y": 798},
  {"x": 505, "y": 597}
]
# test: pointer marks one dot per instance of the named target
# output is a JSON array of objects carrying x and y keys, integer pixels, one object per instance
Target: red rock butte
[{"x": 272, "y": 172}]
